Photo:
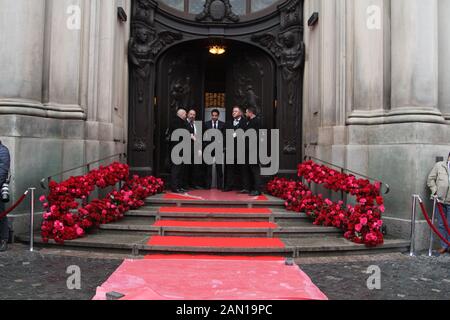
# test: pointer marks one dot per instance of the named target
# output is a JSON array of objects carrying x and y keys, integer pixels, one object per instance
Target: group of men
[{"x": 244, "y": 178}]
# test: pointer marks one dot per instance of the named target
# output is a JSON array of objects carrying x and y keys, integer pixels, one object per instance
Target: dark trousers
[
  {"x": 193, "y": 176},
  {"x": 219, "y": 175},
  {"x": 252, "y": 178},
  {"x": 177, "y": 176},
  {"x": 234, "y": 176},
  {"x": 4, "y": 228}
]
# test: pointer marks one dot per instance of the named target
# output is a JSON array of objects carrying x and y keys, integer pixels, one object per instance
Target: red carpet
[
  {"x": 174, "y": 196},
  {"x": 213, "y": 195},
  {"x": 214, "y": 210},
  {"x": 209, "y": 279},
  {"x": 215, "y": 242},
  {"x": 211, "y": 257},
  {"x": 215, "y": 224}
]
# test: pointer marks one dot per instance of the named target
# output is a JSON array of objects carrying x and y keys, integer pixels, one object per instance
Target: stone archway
[{"x": 154, "y": 31}]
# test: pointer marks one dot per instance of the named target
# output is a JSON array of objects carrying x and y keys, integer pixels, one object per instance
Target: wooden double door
[{"x": 189, "y": 76}]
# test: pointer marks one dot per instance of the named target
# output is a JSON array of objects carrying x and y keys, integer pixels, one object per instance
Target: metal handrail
[
  {"x": 86, "y": 165},
  {"x": 388, "y": 188}
]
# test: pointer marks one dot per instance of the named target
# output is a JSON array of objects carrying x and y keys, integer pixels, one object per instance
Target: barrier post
[
  {"x": 32, "y": 219},
  {"x": 430, "y": 249},
  {"x": 413, "y": 225}
]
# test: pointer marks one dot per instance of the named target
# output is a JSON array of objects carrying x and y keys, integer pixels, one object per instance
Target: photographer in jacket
[
  {"x": 439, "y": 183},
  {"x": 4, "y": 170}
]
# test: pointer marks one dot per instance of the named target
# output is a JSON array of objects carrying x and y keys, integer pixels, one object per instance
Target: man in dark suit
[
  {"x": 252, "y": 172},
  {"x": 178, "y": 170},
  {"x": 234, "y": 172},
  {"x": 214, "y": 123},
  {"x": 193, "y": 179}
]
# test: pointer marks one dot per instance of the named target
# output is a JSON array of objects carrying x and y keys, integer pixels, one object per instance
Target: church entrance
[
  {"x": 190, "y": 76},
  {"x": 170, "y": 66}
]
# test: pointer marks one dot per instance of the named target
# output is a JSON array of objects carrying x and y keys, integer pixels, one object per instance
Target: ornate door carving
[
  {"x": 179, "y": 84},
  {"x": 251, "y": 81}
]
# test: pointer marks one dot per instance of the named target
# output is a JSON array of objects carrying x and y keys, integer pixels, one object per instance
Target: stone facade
[{"x": 375, "y": 93}]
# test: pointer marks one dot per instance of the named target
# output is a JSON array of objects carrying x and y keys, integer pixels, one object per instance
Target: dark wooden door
[
  {"x": 251, "y": 81},
  {"x": 180, "y": 81}
]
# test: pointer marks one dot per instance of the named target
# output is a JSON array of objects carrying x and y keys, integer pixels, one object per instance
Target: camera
[{"x": 5, "y": 192}]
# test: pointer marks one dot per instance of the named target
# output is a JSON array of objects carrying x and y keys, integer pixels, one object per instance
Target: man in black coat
[
  {"x": 193, "y": 172},
  {"x": 5, "y": 160},
  {"x": 234, "y": 172},
  {"x": 252, "y": 172},
  {"x": 178, "y": 170},
  {"x": 214, "y": 123}
]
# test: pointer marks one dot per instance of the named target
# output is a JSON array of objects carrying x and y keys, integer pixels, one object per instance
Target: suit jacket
[
  {"x": 209, "y": 126},
  {"x": 254, "y": 124},
  {"x": 177, "y": 123},
  {"x": 230, "y": 126}
]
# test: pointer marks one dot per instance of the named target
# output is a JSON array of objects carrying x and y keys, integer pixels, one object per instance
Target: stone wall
[
  {"x": 63, "y": 90},
  {"x": 381, "y": 106}
]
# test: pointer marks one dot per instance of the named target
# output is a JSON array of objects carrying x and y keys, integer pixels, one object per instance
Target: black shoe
[
  {"x": 244, "y": 191},
  {"x": 197, "y": 188},
  {"x": 255, "y": 193},
  {"x": 3, "y": 245},
  {"x": 227, "y": 190},
  {"x": 183, "y": 190}
]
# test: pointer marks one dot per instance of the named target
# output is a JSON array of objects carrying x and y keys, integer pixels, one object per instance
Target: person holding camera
[
  {"x": 439, "y": 184},
  {"x": 4, "y": 171}
]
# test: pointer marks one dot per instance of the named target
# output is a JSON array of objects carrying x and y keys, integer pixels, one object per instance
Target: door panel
[
  {"x": 180, "y": 84},
  {"x": 251, "y": 82}
]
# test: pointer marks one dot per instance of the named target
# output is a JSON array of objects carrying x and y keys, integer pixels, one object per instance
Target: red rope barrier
[
  {"x": 444, "y": 218},
  {"x": 427, "y": 217},
  {"x": 4, "y": 214}
]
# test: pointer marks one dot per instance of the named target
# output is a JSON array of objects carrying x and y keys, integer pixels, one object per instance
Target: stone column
[
  {"x": 444, "y": 58},
  {"x": 371, "y": 64},
  {"x": 415, "y": 61},
  {"x": 63, "y": 58},
  {"x": 328, "y": 63},
  {"x": 21, "y": 56}
]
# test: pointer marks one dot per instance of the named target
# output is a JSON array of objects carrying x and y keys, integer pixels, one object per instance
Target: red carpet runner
[
  {"x": 213, "y": 224},
  {"x": 203, "y": 277},
  {"x": 216, "y": 242},
  {"x": 214, "y": 210}
]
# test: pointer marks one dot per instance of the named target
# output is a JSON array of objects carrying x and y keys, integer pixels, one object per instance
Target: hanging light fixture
[{"x": 217, "y": 49}]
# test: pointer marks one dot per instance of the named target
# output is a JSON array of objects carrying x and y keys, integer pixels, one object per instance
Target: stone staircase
[{"x": 220, "y": 226}]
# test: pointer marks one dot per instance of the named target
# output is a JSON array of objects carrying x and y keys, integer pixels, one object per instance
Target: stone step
[
  {"x": 275, "y": 215},
  {"x": 288, "y": 228},
  {"x": 247, "y": 203},
  {"x": 136, "y": 242}
]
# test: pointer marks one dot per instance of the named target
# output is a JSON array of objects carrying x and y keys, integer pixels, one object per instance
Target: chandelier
[{"x": 217, "y": 49}]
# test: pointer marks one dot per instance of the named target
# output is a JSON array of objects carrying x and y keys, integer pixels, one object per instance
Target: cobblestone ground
[
  {"x": 402, "y": 277},
  {"x": 37, "y": 276},
  {"x": 43, "y": 275}
]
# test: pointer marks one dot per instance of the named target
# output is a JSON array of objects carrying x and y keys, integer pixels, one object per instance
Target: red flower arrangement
[
  {"x": 66, "y": 220},
  {"x": 361, "y": 223}
]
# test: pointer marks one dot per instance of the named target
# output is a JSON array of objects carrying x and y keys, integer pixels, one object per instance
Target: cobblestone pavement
[
  {"x": 402, "y": 277},
  {"x": 43, "y": 275},
  {"x": 37, "y": 276}
]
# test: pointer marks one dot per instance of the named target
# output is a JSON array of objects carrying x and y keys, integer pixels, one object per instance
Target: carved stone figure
[
  {"x": 180, "y": 94},
  {"x": 140, "y": 56},
  {"x": 292, "y": 58},
  {"x": 217, "y": 11}
]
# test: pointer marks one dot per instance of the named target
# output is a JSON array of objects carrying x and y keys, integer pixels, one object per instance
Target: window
[{"x": 240, "y": 7}]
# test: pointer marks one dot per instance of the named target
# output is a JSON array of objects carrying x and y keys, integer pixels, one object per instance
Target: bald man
[{"x": 178, "y": 171}]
